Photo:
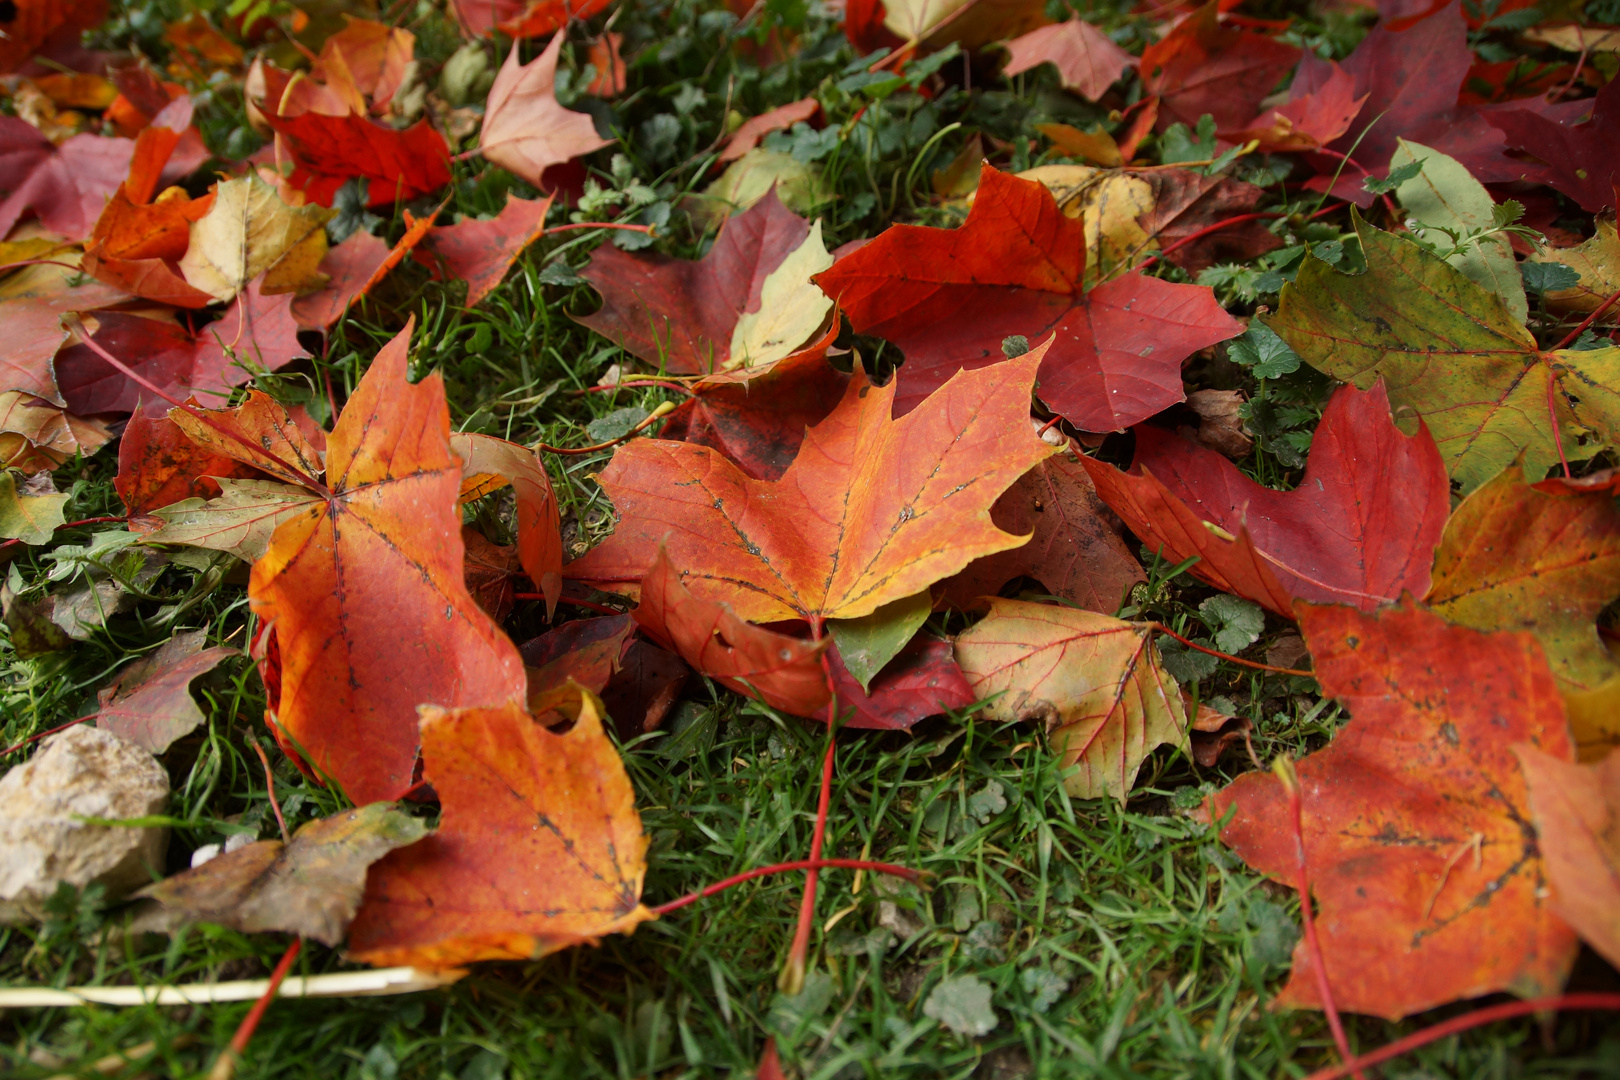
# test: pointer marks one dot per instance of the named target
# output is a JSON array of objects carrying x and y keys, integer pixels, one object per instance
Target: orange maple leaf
[{"x": 872, "y": 510}]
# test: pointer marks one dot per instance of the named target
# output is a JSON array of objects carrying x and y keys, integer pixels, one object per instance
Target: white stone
[{"x": 81, "y": 772}]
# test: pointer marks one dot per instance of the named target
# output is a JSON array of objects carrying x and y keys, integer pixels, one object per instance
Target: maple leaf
[
  {"x": 525, "y": 129},
  {"x": 65, "y": 185},
  {"x": 329, "y": 151},
  {"x": 1310, "y": 119},
  {"x": 1538, "y": 557},
  {"x": 1075, "y": 548},
  {"x": 1094, "y": 681},
  {"x": 158, "y": 464},
  {"x": 757, "y": 416},
  {"x": 781, "y": 118},
  {"x": 1415, "y": 816},
  {"x": 383, "y": 544},
  {"x": 481, "y": 252},
  {"x": 784, "y": 672},
  {"x": 310, "y": 886},
  {"x": 374, "y": 56},
  {"x": 489, "y": 464},
  {"x": 872, "y": 510},
  {"x": 1449, "y": 351},
  {"x": 1410, "y": 72},
  {"x": 681, "y": 315},
  {"x": 259, "y": 330},
  {"x": 250, "y": 231},
  {"x": 1360, "y": 528},
  {"x": 261, "y": 433},
  {"x": 604, "y": 57},
  {"x": 1583, "y": 160},
  {"x": 523, "y": 18},
  {"x": 539, "y": 847},
  {"x": 1087, "y": 60},
  {"x": 949, "y": 297},
  {"x": 39, "y": 25},
  {"x": 1597, "y": 261},
  {"x": 354, "y": 268},
  {"x": 1187, "y": 202},
  {"x": 1577, "y": 811},
  {"x": 586, "y": 651},
  {"x": 36, "y": 435},
  {"x": 1201, "y": 67},
  {"x": 150, "y": 703},
  {"x": 241, "y": 519}
]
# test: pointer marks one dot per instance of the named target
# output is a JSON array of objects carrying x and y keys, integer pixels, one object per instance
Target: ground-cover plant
[{"x": 1046, "y": 486}]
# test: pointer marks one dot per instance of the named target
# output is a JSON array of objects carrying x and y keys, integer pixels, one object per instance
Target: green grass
[{"x": 1117, "y": 941}]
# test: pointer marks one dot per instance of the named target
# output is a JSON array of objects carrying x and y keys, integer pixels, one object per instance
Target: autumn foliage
[{"x": 965, "y": 464}]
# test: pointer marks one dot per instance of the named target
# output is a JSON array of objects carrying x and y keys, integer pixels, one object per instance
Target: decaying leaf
[
  {"x": 539, "y": 847},
  {"x": 31, "y": 518},
  {"x": 1095, "y": 682},
  {"x": 1415, "y": 816},
  {"x": 481, "y": 252},
  {"x": 310, "y": 886},
  {"x": 1075, "y": 548},
  {"x": 150, "y": 703},
  {"x": 250, "y": 231}
]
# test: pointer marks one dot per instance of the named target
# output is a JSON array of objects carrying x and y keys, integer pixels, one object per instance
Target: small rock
[{"x": 82, "y": 772}]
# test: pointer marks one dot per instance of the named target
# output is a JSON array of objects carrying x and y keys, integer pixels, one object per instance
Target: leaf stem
[
  {"x": 1163, "y": 629},
  {"x": 812, "y": 865},
  {"x": 225, "y": 1065},
  {"x": 1466, "y": 1022},
  {"x": 1590, "y": 319},
  {"x": 36, "y": 736},
  {"x": 791, "y": 979},
  {"x": 270, "y": 787},
  {"x": 1284, "y": 768},
  {"x": 664, "y": 409}
]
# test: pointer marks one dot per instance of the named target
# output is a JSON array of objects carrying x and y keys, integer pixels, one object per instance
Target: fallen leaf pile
[{"x": 947, "y": 467}]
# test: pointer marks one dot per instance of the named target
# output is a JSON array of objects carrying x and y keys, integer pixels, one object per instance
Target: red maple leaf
[
  {"x": 949, "y": 297},
  {"x": 1360, "y": 529},
  {"x": 1202, "y": 67}
]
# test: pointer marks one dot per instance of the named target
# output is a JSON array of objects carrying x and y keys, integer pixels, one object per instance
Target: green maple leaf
[{"x": 1448, "y": 351}]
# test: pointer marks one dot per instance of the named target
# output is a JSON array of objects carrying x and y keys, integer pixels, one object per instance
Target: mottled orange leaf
[
  {"x": 781, "y": 118},
  {"x": 1416, "y": 816},
  {"x": 159, "y": 464},
  {"x": 1094, "y": 681},
  {"x": 539, "y": 848},
  {"x": 366, "y": 595},
  {"x": 1577, "y": 812},
  {"x": 872, "y": 510}
]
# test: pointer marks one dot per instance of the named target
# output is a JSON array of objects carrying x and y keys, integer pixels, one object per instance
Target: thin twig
[
  {"x": 791, "y": 979},
  {"x": 812, "y": 865},
  {"x": 664, "y": 409},
  {"x": 1590, "y": 319},
  {"x": 1163, "y": 629},
  {"x": 1466, "y": 1022}
]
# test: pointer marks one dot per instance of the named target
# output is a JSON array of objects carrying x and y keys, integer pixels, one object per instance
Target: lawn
[{"x": 1114, "y": 940}]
